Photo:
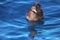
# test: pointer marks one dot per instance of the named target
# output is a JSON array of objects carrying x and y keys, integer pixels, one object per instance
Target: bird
[{"x": 35, "y": 13}]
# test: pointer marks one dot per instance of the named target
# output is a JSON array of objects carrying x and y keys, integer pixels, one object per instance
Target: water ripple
[{"x": 14, "y": 26}]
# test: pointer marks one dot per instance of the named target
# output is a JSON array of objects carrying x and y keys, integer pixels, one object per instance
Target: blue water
[{"x": 14, "y": 26}]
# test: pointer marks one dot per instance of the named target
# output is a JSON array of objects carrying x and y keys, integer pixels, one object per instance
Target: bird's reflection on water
[
  {"x": 33, "y": 32},
  {"x": 32, "y": 29}
]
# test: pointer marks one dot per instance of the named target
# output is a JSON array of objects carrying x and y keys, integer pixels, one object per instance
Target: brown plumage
[{"x": 35, "y": 13}]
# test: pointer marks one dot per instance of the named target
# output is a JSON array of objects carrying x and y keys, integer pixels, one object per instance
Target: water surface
[{"x": 14, "y": 26}]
